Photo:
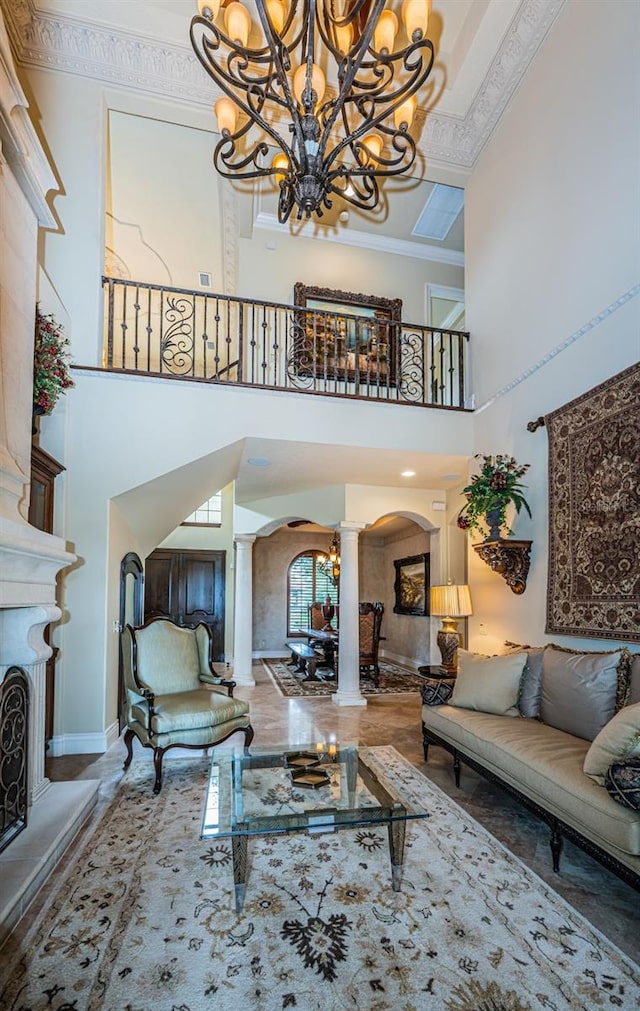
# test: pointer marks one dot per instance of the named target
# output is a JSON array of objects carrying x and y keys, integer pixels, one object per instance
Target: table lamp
[{"x": 450, "y": 603}]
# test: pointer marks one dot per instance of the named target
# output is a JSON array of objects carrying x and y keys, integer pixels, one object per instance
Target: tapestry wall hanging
[{"x": 594, "y": 512}]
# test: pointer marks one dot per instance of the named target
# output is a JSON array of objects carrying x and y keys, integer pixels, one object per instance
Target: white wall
[
  {"x": 163, "y": 213},
  {"x": 407, "y": 635},
  {"x": 270, "y": 273},
  {"x": 552, "y": 219}
]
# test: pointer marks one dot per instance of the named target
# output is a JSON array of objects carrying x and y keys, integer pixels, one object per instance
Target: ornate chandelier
[
  {"x": 273, "y": 80},
  {"x": 331, "y": 562}
]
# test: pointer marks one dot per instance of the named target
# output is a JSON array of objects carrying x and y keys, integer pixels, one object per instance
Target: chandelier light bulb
[
  {"x": 403, "y": 116},
  {"x": 318, "y": 82},
  {"x": 237, "y": 23},
  {"x": 226, "y": 113},
  {"x": 415, "y": 14},
  {"x": 281, "y": 164},
  {"x": 373, "y": 144},
  {"x": 208, "y": 9},
  {"x": 277, "y": 11},
  {"x": 385, "y": 33},
  {"x": 343, "y": 38}
]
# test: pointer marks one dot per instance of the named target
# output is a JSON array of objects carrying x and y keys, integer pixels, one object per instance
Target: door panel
[
  {"x": 189, "y": 586},
  {"x": 159, "y": 584}
]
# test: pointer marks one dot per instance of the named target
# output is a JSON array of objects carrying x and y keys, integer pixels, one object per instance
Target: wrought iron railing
[{"x": 178, "y": 333}]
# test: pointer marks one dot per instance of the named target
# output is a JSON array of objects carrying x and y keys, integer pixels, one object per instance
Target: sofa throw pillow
[
  {"x": 578, "y": 691},
  {"x": 531, "y": 682},
  {"x": 488, "y": 684},
  {"x": 622, "y": 781},
  {"x": 616, "y": 742},
  {"x": 623, "y": 668}
]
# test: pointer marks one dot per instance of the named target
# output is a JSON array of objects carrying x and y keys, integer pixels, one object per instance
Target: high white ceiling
[{"x": 292, "y": 467}]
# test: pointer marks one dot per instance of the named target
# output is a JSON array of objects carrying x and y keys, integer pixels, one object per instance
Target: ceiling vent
[{"x": 443, "y": 206}]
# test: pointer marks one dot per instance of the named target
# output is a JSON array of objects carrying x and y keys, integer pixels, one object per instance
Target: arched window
[{"x": 307, "y": 582}]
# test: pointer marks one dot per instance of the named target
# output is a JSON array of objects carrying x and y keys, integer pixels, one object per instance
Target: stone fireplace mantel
[{"x": 30, "y": 561}]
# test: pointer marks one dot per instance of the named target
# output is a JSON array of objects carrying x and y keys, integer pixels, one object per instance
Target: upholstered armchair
[{"x": 175, "y": 698}]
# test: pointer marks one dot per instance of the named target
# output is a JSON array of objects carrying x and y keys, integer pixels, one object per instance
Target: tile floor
[{"x": 607, "y": 903}]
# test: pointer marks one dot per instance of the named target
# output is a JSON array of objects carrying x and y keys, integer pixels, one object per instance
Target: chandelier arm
[
  {"x": 351, "y": 64},
  {"x": 234, "y": 76},
  {"x": 277, "y": 47},
  {"x": 363, "y": 200},
  {"x": 372, "y": 122},
  {"x": 261, "y": 55},
  {"x": 342, "y": 22},
  {"x": 230, "y": 81}
]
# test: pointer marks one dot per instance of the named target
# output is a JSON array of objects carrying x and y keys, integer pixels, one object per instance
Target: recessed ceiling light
[
  {"x": 258, "y": 461},
  {"x": 408, "y": 473}
]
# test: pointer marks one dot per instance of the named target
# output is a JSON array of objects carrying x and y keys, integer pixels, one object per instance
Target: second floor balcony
[{"x": 369, "y": 353}]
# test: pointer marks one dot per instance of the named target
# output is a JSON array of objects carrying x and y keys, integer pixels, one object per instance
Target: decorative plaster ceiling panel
[{"x": 487, "y": 58}]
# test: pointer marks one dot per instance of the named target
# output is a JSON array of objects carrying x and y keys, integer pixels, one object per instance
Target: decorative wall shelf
[{"x": 509, "y": 558}]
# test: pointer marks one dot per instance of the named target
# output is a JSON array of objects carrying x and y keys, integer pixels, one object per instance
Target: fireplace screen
[{"x": 14, "y": 723}]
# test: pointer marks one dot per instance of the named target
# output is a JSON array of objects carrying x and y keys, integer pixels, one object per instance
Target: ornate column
[
  {"x": 348, "y": 693},
  {"x": 243, "y": 620}
]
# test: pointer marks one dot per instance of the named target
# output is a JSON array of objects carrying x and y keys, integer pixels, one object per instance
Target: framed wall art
[
  {"x": 412, "y": 585},
  {"x": 346, "y": 336}
]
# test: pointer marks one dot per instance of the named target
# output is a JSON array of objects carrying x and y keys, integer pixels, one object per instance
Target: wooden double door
[{"x": 189, "y": 587}]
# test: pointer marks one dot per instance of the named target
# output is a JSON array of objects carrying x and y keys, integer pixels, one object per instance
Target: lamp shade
[{"x": 451, "y": 601}]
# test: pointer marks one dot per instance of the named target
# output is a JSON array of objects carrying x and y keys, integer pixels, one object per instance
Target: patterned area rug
[
  {"x": 143, "y": 918},
  {"x": 291, "y": 683}
]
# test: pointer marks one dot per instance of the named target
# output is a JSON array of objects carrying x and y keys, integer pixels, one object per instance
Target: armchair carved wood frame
[{"x": 175, "y": 697}]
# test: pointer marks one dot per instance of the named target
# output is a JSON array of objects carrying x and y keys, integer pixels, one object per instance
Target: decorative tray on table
[
  {"x": 309, "y": 777},
  {"x": 302, "y": 760}
]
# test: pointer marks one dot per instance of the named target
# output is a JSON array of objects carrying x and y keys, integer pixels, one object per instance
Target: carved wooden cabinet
[{"x": 44, "y": 471}]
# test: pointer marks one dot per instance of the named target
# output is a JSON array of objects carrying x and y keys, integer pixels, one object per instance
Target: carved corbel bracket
[{"x": 509, "y": 558}]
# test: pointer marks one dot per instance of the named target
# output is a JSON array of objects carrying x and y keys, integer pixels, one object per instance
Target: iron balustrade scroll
[{"x": 174, "y": 332}]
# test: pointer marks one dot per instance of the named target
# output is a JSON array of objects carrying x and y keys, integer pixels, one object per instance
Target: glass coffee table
[{"x": 270, "y": 791}]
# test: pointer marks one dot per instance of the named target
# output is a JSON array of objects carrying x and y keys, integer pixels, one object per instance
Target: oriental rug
[
  {"x": 292, "y": 683},
  {"x": 594, "y": 512},
  {"x": 143, "y": 918}
]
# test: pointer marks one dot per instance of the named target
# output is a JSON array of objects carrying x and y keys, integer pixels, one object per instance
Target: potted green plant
[
  {"x": 490, "y": 492},
  {"x": 51, "y": 376}
]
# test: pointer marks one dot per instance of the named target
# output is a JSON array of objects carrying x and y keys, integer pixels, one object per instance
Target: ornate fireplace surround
[{"x": 30, "y": 560}]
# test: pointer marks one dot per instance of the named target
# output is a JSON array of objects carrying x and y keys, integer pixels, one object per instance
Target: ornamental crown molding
[{"x": 70, "y": 45}]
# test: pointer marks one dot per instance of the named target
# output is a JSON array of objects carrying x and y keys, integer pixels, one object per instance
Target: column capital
[
  {"x": 351, "y": 526},
  {"x": 244, "y": 538}
]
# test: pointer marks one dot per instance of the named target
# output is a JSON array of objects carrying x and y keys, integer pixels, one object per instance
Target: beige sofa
[{"x": 543, "y": 765}]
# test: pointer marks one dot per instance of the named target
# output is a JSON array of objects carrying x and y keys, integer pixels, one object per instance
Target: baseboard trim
[
  {"x": 406, "y": 661},
  {"x": 83, "y": 744}
]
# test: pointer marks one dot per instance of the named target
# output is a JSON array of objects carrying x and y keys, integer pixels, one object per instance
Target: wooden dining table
[{"x": 328, "y": 640}]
